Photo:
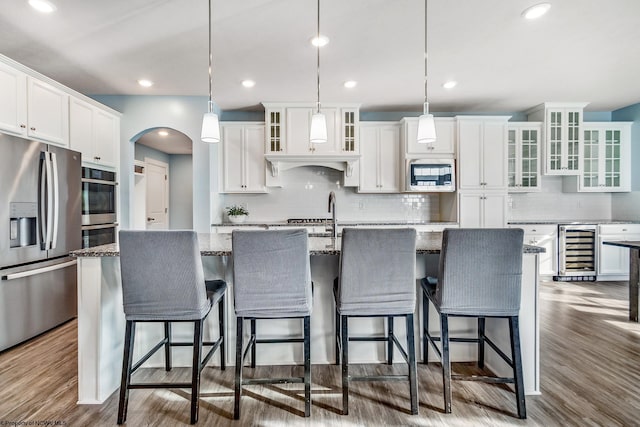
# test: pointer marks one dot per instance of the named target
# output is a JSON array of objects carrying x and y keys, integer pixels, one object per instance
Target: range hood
[{"x": 341, "y": 162}]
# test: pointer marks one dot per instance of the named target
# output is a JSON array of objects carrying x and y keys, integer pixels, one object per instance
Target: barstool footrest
[
  {"x": 289, "y": 380},
  {"x": 379, "y": 378},
  {"x": 484, "y": 378},
  {"x": 160, "y": 385},
  {"x": 278, "y": 340}
]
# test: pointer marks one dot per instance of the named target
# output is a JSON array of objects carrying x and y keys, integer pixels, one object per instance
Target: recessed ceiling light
[
  {"x": 163, "y": 133},
  {"x": 450, "y": 84},
  {"x": 145, "y": 83},
  {"x": 350, "y": 84},
  {"x": 248, "y": 83},
  {"x": 320, "y": 41},
  {"x": 43, "y": 6},
  {"x": 536, "y": 11}
]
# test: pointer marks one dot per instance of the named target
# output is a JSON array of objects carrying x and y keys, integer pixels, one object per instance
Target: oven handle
[
  {"x": 98, "y": 227},
  {"x": 99, "y": 181}
]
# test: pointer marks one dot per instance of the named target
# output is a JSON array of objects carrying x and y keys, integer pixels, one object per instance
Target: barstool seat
[{"x": 163, "y": 281}]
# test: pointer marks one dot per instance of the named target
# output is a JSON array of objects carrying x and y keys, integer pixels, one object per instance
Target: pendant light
[
  {"x": 210, "y": 122},
  {"x": 318, "y": 132},
  {"x": 426, "y": 124}
]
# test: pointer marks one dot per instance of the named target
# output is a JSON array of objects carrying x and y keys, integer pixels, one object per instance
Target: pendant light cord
[
  {"x": 425, "y": 50},
  {"x": 318, "y": 58},
  {"x": 210, "y": 105}
]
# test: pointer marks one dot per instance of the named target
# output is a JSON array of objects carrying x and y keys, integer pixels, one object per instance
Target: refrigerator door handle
[
  {"x": 39, "y": 270},
  {"x": 42, "y": 220},
  {"x": 56, "y": 201},
  {"x": 49, "y": 201}
]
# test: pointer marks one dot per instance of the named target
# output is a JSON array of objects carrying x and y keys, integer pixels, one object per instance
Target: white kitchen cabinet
[
  {"x": 380, "y": 157},
  {"x": 613, "y": 261},
  {"x": 606, "y": 159},
  {"x": 523, "y": 169},
  {"x": 243, "y": 164},
  {"x": 482, "y": 152},
  {"x": 47, "y": 113},
  {"x": 562, "y": 135},
  {"x": 288, "y": 126},
  {"x": 482, "y": 209},
  {"x": 444, "y": 146},
  {"x": 13, "y": 93},
  {"x": 95, "y": 133},
  {"x": 545, "y": 236}
]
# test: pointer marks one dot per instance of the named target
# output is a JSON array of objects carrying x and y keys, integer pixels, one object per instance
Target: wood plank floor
[{"x": 590, "y": 377}]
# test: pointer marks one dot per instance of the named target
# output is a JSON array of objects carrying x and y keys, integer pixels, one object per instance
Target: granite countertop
[
  {"x": 267, "y": 224},
  {"x": 220, "y": 245},
  {"x": 568, "y": 221}
]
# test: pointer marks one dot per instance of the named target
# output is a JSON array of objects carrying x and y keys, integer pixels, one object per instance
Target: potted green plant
[{"x": 237, "y": 214}]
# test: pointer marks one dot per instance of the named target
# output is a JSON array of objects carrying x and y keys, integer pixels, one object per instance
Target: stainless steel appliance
[
  {"x": 577, "y": 251},
  {"x": 98, "y": 196},
  {"x": 426, "y": 175},
  {"x": 96, "y": 235},
  {"x": 39, "y": 225}
]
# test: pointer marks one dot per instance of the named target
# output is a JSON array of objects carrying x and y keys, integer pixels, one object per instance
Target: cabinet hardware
[
  {"x": 23, "y": 126},
  {"x": 33, "y": 128}
]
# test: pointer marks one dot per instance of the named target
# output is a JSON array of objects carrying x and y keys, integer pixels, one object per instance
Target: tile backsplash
[{"x": 306, "y": 193}]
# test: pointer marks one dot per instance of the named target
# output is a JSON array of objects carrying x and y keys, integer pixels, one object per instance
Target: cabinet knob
[
  {"x": 33, "y": 128},
  {"x": 149, "y": 219},
  {"x": 97, "y": 158},
  {"x": 23, "y": 126}
]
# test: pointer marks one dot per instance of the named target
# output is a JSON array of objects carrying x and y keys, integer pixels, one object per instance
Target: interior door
[{"x": 157, "y": 195}]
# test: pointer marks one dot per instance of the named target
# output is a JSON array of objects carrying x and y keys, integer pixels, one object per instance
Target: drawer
[
  {"x": 530, "y": 229},
  {"x": 619, "y": 229}
]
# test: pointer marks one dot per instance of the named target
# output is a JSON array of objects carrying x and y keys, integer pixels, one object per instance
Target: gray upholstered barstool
[
  {"x": 163, "y": 281},
  {"x": 480, "y": 274},
  {"x": 271, "y": 280},
  {"x": 377, "y": 279}
]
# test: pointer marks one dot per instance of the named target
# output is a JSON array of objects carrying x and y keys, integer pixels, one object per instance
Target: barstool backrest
[
  {"x": 162, "y": 275},
  {"x": 377, "y": 272},
  {"x": 480, "y": 271},
  {"x": 271, "y": 273}
]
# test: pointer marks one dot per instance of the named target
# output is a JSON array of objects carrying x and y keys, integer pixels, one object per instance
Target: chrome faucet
[{"x": 332, "y": 209}]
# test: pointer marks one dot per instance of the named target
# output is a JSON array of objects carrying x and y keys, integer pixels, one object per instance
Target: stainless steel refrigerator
[{"x": 40, "y": 223}]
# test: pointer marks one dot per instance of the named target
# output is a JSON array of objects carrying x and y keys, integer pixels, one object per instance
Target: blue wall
[{"x": 632, "y": 114}]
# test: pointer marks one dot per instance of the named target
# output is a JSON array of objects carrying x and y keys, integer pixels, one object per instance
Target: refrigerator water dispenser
[{"x": 22, "y": 224}]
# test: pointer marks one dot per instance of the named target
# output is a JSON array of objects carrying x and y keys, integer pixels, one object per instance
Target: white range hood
[{"x": 278, "y": 163}]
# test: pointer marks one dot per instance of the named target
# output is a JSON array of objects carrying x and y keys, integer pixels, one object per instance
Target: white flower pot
[{"x": 237, "y": 219}]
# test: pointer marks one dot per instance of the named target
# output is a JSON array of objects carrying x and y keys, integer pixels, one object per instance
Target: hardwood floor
[{"x": 590, "y": 377}]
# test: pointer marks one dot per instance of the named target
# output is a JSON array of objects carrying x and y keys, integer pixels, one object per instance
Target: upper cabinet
[
  {"x": 445, "y": 139},
  {"x": 32, "y": 108},
  {"x": 523, "y": 138},
  {"x": 95, "y": 133},
  {"x": 562, "y": 135},
  {"x": 380, "y": 162},
  {"x": 13, "y": 108},
  {"x": 243, "y": 163},
  {"x": 482, "y": 152},
  {"x": 606, "y": 159},
  {"x": 288, "y": 127}
]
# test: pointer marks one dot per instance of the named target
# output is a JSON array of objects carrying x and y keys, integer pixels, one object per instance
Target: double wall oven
[{"x": 99, "y": 211}]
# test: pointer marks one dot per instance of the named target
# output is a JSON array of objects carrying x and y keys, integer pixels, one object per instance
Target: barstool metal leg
[
  {"x": 167, "y": 346},
  {"x": 413, "y": 375},
  {"x": 238, "y": 379},
  {"x": 195, "y": 370},
  {"x": 222, "y": 330},
  {"x": 390, "y": 340},
  {"x": 425, "y": 328},
  {"x": 337, "y": 340},
  {"x": 344, "y": 335},
  {"x": 127, "y": 361},
  {"x": 252, "y": 343},
  {"x": 481, "y": 323},
  {"x": 446, "y": 362},
  {"x": 514, "y": 332},
  {"x": 307, "y": 366}
]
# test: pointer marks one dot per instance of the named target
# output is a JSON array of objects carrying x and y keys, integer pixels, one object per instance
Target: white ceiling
[{"x": 582, "y": 50}]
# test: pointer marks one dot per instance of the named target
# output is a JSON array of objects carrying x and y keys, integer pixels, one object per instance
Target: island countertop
[{"x": 212, "y": 244}]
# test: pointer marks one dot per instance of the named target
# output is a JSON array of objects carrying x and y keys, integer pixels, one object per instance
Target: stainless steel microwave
[{"x": 427, "y": 175}]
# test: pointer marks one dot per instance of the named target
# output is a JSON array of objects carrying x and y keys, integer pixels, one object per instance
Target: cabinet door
[
  {"x": 494, "y": 210},
  {"x": 13, "y": 93},
  {"x": 333, "y": 132},
  {"x": 388, "y": 159},
  {"x": 275, "y": 130},
  {"x": 106, "y": 138},
  {"x": 613, "y": 260},
  {"x": 254, "y": 163},
  {"x": 232, "y": 152},
  {"x": 298, "y": 122},
  {"x": 349, "y": 130},
  {"x": 470, "y": 210},
  {"x": 81, "y": 128},
  {"x": 47, "y": 112},
  {"x": 444, "y": 144},
  {"x": 470, "y": 154},
  {"x": 494, "y": 155},
  {"x": 369, "y": 159},
  {"x": 563, "y": 140},
  {"x": 523, "y": 153}
]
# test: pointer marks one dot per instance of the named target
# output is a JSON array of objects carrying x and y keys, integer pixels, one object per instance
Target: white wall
[
  {"x": 626, "y": 206},
  {"x": 180, "y": 192},
  {"x": 306, "y": 194}
]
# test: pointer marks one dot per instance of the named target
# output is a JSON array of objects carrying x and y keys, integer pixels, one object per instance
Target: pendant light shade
[
  {"x": 318, "y": 131},
  {"x": 426, "y": 124},
  {"x": 210, "y": 122}
]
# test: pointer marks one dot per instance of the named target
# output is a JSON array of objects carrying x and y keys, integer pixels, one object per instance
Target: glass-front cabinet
[
  {"x": 606, "y": 160},
  {"x": 523, "y": 140}
]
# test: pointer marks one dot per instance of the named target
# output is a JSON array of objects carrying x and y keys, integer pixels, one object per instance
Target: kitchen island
[
  {"x": 634, "y": 274},
  {"x": 101, "y": 318}
]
